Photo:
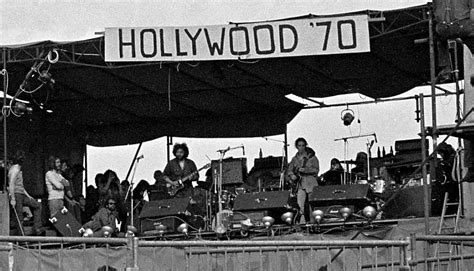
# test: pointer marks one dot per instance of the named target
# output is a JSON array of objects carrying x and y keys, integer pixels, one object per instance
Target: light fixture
[
  {"x": 161, "y": 229},
  {"x": 20, "y": 108},
  {"x": 268, "y": 221},
  {"x": 107, "y": 231},
  {"x": 183, "y": 228},
  {"x": 287, "y": 218},
  {"x": 88, "y": 233},
  {"x": 131, "y": 231},
  {"x": 345, "y": 212},
  {"x": 347, "y": 116},
  {"x": 318, "y": 215},
  {"x": 369, "y": 212}
]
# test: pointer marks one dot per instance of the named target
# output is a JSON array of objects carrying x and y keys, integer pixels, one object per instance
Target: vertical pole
[
  {"x": 426, "y": 189},
  {"x": 169, "y": 143},
  {"x": 433, "y": 97},
  {"x": 286, "y": 144},
  {"x": 86, "y": 168},
  {"x": 5, "y": 156}
]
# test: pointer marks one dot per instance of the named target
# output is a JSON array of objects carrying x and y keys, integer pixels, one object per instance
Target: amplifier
[
  {"x": 262, "y": 201},
  {"x": 349, "y": 194},
  {"x": 269, "y": 162},
  {"x": 234, "y": 170},
  {"x": 409, "y": 145},
  {"x": 166, "y": 207}
]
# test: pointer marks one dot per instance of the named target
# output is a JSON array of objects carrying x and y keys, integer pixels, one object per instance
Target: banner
[{"x": 301, "y": 37}]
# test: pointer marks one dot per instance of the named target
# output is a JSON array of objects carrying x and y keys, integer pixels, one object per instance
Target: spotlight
[
  {"x": 161, "y": 229},
  {"x": 268, "y": 221},
  {"x": 107, "y": 231},
  {"x": 20, "y": 108},
  {"x": 131, "y": 231},
  {"x": 369, "y": 212},
  {"x": 318, "y": 215},
  {"x": 88, "y": 233},
  {"x": 347, "y": 116},
  {"x": 183, "y": 228},
  {"x": 287, "y": 217},
  {"x": 345, "y": 212}
]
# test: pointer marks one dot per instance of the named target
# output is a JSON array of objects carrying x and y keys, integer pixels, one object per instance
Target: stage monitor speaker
[
  {"x": 169, "y": 212},
  {"x": 409, "y": 202},
  {"x": 262, "y": 201},
  {"x": 349, "y": 194},
  {"x": 234, "y": 170},
  {"x": 66, "y": 224}
]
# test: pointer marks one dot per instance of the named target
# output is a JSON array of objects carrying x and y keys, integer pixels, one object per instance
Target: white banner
[{"x": 301, "y": 37}]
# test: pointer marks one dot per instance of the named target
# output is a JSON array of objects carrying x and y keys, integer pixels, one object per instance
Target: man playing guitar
[
  {"x": 303, "y": 171},
  {"x": 181, "y": 171}
]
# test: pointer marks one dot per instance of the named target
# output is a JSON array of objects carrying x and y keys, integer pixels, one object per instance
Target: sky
[{"x": 66, "y": 20}]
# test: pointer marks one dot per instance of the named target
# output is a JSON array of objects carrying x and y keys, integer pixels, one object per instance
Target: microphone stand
[
  {"x": 222, "y": 153},
  {"x": 282, "y": 169},
  {"x": 130, "y": 191},
  {"x": 345, "y": 139}
]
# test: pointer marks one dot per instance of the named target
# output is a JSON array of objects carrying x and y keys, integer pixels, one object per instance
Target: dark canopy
[{"x": 114, "y": 104}]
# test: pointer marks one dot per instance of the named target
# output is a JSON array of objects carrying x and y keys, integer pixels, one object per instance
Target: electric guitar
[
  {"x": 295, "y": 185},
  {"x": 173, "y": 189}
]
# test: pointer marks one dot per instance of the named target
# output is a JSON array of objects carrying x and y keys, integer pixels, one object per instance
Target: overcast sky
[{"x": 29, "y": 21}]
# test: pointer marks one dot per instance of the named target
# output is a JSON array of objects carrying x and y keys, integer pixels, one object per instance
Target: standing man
[
  {"x": 304, "y": 167},
  {"x": 19, "y": 197},
  {"x": 179, "y": 168}
]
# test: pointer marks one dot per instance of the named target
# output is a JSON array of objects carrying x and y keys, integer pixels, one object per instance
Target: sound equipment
[
  {"x": 167, "y": 212},
  {"x": 66, "y": 224},
  {"x": 269, "y": 162},
  {"x": 349, "y": 194},
  {"x": 409, "y": 145},
  {"x": 234, "y": 170},
  {"x": 409, "y": 202},
  {"x": 262, "y": 201}
]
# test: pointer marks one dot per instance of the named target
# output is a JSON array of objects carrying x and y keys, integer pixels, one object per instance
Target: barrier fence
[{"x": 67, "y": 253}]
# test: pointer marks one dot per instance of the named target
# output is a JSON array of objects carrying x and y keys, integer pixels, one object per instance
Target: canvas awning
[{"x": 124, "y": 103}]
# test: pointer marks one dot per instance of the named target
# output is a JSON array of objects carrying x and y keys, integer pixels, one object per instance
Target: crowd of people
[{"x": 105, "y": 204}]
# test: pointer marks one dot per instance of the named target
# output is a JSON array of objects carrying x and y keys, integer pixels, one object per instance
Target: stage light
[
  {"x": 161, "y": 229},
  {"x": 88, "y": 233},
  {"x": 369, "y": 212},
  {"x": 131, "y": 231},
  {"x": 287, "y": 217},
  {"x": 183, "y": 228},
  {"x": 20, "y": 108},
  {"x": 347, "y": 116},
  {"x": 268, "y": 221},
  {"x": 345, "y": 212},
  {"x": 318, "y": 215},
  {"x": 107, "y": 231}
]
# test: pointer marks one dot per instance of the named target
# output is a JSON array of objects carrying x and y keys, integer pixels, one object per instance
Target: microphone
[
  {"x": 375, "y": 137},
  {"x": 243, "y": 150},
  {"x": 140, "y": 157}
]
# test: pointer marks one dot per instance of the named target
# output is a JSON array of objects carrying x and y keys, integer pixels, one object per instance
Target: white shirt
[{"x": 55, "y": 185}]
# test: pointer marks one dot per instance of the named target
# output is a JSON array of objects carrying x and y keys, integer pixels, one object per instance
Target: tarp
[{"x": 124, "y": 103}]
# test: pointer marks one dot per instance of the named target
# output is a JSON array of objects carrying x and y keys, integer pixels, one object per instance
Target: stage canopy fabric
[{"x": 125, "y": 103}]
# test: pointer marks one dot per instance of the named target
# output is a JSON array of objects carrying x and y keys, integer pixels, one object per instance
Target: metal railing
[{"x": 210, "y": 255}]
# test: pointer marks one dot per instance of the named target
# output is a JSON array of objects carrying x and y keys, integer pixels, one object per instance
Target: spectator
[
  {"x": 106, "y": 216},
  {"x": 19, "y": 197},
  {"x": 55, "y": 184}
]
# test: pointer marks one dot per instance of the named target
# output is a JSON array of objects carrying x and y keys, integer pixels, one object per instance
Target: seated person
[
  {"x": 359, "y": 172},
  {"x": 333, "y": 176},
  {"x": 106, "y": 216}
]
